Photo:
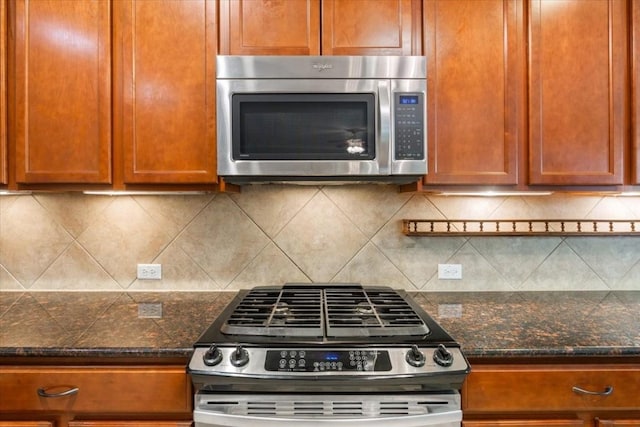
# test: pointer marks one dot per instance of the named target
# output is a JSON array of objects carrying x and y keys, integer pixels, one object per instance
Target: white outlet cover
[
  {"x": 450, "y": 271},
  {"x": 149, "y": 271}
]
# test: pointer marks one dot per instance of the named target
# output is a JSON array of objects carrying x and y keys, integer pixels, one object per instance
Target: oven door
[
  {"x": 313, "y": 410},
  {"x": 318, "y": 127}
]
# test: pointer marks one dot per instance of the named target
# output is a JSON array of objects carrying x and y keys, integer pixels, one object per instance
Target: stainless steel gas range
[{"x": 326, "y": 355}]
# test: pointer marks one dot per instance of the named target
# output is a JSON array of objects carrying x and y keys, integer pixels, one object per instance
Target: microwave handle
[{"x": 384, "y": 112}]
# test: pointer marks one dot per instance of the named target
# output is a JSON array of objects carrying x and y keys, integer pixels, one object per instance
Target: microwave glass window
[{"x": 303, "y": 126}]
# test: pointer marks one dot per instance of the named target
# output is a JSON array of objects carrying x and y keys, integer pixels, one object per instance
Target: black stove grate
[
  {"x": 278, "y": 312},
  {"x": 333, "y": 311},
  {"x": 370, "y": 312}
]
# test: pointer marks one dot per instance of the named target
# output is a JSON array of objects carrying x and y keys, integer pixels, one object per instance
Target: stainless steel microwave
[{"x": 321, "y": 118}]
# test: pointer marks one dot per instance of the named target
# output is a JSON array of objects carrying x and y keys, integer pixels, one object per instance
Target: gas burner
[{"x": 363, "y": 308}]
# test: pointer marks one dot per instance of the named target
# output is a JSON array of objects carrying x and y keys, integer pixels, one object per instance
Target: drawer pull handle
[
  {"x": 606, "y": 392},
  {"x": 42, "y": 392}
]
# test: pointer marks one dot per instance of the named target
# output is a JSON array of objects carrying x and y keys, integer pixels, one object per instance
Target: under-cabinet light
[
  {"x": 143, "y": 193},
  {"x": 14, "y": 193},
  {"x": 496, "y": 193}
]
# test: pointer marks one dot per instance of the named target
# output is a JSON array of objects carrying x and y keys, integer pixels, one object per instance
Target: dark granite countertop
[{"x": 486, "y": 324}]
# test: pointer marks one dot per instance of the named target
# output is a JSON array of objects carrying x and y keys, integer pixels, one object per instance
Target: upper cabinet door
[
  {"x": 371, "y": 27},
  {"x": 269, "y": 27},
  {"x": 62, "y": 91},
  {"x": 3, "y": 92},
  {"x": 475, "y": 59},
  {"x": 635, "y": 82},
  {"x": 165, "y": 90},
  {"x": 577, "y": 92}
]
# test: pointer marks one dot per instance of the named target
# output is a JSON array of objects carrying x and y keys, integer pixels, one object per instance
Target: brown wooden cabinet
[
  {"x": 3, "y": 93},
  {"x": 577, "y": 91},
  {"x": 314, "y": 27},
  {"x": 113, "y": 396},
  {"x": 635, "y": 90},
  {"x": 261, "y": 27},
  {"x": 62, "y": 96},
  {"x": 531, "y": 395},
  {"x": 164, "y": 97},
  {"x": 476, "y": 63},
  {"x": 617, "y": 423},
  {"x": 371, "y": 27}
]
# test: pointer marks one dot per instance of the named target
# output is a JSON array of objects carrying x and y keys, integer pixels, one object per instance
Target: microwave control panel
[{"x": 409, "y": 126}]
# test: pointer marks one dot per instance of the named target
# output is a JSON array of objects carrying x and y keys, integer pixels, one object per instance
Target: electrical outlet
[
  {"x": 149, "y": 271},
  {"x": 149, "y": 310},
  {"x": 450, "y": 271}
]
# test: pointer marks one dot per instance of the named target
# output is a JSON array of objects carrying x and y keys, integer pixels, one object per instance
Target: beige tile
[
  {"x": 630, "y": 281},
  {"x": 477, "y": 274},
  {"x": 416, "y": 257},
  {"x": 320, "y": 239},
  {"x": 6, "y": 202},
  {"x": 513, "y": 208},
  {"x": 74, "y": 211},
  {"x": 632, "y": 204},
  {"x": 123, "y": 236},
  {"x": 561, "y": 206},
  {"x": 515, "y": 258},
  {"x": 179, "y": 273},
  {"x": 371, "y": 267},
  {"x": 222, "y": 240},
  {"x": 273, "y": 206},
  {"x": 30, "y": 240},
  {"x": 611, "y": 208},
  {"x": 458, "y": 207},
  {"x": 75, "y": 269},
  {"x": 610, "y": 257},
  {"x": 369, "y": 207},
  {"x": 270, "y": 267},
  {"x": 563, "y": 270},
  {"x": 173, "y": 213},
  {"x": 8, "y": 282}
]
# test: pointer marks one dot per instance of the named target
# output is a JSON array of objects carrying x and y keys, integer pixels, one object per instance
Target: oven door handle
[{"x": 205, "y": 418}]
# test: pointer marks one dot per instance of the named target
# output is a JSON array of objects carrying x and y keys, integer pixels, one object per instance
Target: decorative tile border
[{"x": 521, "y": 227}]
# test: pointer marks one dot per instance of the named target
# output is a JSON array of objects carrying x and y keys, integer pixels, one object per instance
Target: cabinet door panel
[
  {"x": 102, "y": 390},
  {"x": 370, "y": 27},
  {"x": 635, "y": 82},
  {"x": 524, "y": 423},
  {"x": 577, "y": 91},
  {"x": 129, "y": 424},
  {"x": 3, "y": 93},
  {"x": 270, "y": 27},
  {"x": 63, "y": 86},
  {"x": 542, "y": 388},
  {"x": 25, "y": 424},
  {"x": 618, "y": 423},
  {"x": 166, "y": 102},
  {"x": 475, "y": 86}
]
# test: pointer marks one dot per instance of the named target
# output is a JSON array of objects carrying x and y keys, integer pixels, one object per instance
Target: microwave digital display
[{"x": 408, "y": 99}]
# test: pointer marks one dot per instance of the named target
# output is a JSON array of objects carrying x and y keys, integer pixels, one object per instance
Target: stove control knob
[
  {"x": 213, "y": 356},
  {"x": 442, "y": 356},
  {"x": 415, "y": 357},
  {"x": 239, "y": 357}
]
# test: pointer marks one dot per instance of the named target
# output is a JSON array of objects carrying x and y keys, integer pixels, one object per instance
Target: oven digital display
[
  {"x": 409, "y": 99},
  {"x": 297, "y": 360}
]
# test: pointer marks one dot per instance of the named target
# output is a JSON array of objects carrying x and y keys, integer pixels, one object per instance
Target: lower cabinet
[
  {"x": 576, "y": 395},
  {"x": 95, "y": 396}
]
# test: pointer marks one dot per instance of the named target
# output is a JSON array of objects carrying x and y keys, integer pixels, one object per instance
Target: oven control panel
[
  {"x": 409, "y": 126},
  {"x": 297, "y": 360}
]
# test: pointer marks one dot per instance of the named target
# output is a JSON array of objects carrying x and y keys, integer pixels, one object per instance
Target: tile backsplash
[{"x": 271, "y": 234}]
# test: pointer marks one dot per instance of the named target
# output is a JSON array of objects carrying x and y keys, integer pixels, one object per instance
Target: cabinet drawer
[
  {"x": 103, "y": 390},
  {"x": 526, "y": 388}
]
